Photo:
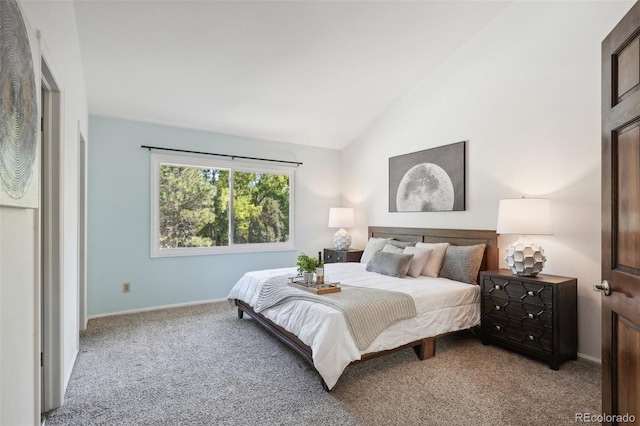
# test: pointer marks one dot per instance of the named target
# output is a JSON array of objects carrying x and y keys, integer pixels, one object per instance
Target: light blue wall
[{"x": 119, "y": 215}]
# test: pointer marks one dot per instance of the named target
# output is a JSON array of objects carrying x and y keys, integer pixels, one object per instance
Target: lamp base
[
  {"x": 341, "y": 239},
  {"x": 524, "y": 258}
]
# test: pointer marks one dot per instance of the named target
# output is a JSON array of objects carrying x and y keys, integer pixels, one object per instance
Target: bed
[{"x": 320, "y": 334}]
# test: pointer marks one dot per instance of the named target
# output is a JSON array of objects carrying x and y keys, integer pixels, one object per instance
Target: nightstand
[
  {"x": 536, "y": 316},
  {"x": 341, "y": 256}
]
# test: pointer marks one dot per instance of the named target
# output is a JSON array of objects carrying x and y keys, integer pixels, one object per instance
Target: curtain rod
[{"x": 233, "y": 157}]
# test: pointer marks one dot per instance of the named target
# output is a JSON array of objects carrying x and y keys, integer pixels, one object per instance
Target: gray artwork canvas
[
  {"x": 432, "y": 180},
  {"x": 18, "y": 109}
]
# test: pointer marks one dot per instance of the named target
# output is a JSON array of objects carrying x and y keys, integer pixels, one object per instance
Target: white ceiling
[{"x": 309, "y": 72}]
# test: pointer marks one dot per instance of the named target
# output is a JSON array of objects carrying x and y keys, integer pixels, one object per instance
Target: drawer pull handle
[
  {"x": 531, "y": 337},
  {"x": 497, "y": 286},
  {"x": 498, "y": 328},
  {"x": 497, "y": 307},
  {"x": 530, "y": 315},
  {"x": 530, "y": 293}
]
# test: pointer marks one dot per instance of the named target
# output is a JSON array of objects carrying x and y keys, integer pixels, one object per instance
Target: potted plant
[{"x": 306, "y": 267}]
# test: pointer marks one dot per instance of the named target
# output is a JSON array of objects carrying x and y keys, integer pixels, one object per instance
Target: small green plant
[{"x": 306, "y": 263}]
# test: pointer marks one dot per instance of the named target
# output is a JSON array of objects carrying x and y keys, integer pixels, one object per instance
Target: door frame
[
  {"x": 83, "y": 157},
  {"x": 51, "y": 388}
]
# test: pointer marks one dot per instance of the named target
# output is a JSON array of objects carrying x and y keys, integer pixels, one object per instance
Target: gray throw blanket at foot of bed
[{"x": 367, "y": 311}]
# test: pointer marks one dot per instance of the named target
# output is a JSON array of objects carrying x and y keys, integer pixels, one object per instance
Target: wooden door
[{"x": 621, "y": 220}]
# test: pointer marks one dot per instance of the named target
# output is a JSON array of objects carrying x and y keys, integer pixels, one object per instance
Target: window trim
[{"x": 158, "y": 159}]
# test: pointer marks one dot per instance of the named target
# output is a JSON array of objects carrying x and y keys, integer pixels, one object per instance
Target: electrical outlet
[{"x": 126, "y": 287}]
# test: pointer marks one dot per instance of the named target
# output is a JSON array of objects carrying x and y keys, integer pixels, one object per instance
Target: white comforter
[{"x": 442, "y": 306}]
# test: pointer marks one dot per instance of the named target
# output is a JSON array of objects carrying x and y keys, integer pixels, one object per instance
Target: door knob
[{"x": 604, "y": 287}]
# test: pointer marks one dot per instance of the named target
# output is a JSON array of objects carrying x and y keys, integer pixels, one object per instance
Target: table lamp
[
  {"x": 341, "y": 217},
  {"x": 525, "y": 216}
]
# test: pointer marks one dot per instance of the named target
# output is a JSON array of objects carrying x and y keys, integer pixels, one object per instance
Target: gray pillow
[
  {"x": 392, "y": 249},
  {"x": 392, "y": 264},
  {"x": 462, "y": 263},
  {"x": 402, "y": 244}
]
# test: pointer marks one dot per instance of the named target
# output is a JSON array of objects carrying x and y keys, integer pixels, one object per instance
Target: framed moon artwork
[{"x": 432, "y": 180}]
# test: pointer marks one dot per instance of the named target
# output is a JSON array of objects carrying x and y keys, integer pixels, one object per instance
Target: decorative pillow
[
  {"x": 402, "y": 244},
  {"x": 420, "y": 258},
  {"x": 392, "y": 249},
  {"x": 462, "y": 263},
  {"x": 393, "y": 264},
  {"x": 373, "y": 245},
  {"x": 432, "y": 268}
]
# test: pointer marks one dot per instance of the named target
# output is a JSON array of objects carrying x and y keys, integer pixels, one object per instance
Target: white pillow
[
  {"x": 389, "y": 248},
  {"x": 373, "y": 245},
  {"x": 420, "y": 258},
  {"x": 434, "y": 263}
]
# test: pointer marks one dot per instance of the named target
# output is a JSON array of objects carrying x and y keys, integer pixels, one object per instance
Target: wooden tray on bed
[{"x": 327, "y": 287}]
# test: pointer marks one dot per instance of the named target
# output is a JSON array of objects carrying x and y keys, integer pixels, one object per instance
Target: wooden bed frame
[{"x": 424, "y": 348}]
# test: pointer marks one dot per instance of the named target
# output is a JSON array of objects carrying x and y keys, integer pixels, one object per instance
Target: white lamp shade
[
  {"x": 341, "y": 217},
  {"x": 524, "y": 216}
]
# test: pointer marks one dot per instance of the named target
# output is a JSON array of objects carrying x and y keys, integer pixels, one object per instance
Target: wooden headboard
[{"x": 458, "y": 237}]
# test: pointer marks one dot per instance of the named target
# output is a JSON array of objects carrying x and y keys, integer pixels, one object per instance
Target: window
[{"x": 204, "y": 206}]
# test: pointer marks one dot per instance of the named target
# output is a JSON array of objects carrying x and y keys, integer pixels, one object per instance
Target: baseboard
[
  {"x": 156, "y": 308},
  {"x": 590, "y": 358}
]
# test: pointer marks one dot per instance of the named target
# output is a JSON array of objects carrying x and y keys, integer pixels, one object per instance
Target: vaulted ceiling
[{"x": 309, "y": 72}]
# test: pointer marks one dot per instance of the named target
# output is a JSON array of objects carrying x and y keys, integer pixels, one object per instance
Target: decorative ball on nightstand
[
  {"x": 525, "y": 258},
  {"x": 341, "y": 240}
]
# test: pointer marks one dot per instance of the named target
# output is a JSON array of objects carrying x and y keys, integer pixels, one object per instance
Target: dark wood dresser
[
  {"x": 536, "y": 316},
  {"x": 341, "y": 256}
]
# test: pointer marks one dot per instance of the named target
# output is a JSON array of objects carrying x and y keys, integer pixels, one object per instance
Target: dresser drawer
[
  {"x": 341, "y": 256},
  {"x": 335, "y": 256},
  {"x": 514, "y": 289},
  {"x": 536, "y": 338},
  {"x": 526, "y": 313}
]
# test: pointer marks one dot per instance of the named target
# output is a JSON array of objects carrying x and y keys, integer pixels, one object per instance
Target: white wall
[
  {"x": 525, "y": 94},
  {"x": 18, "y": 343},
  {"x": 18, "y": 242},
  {"x": 119, "y": 231}
]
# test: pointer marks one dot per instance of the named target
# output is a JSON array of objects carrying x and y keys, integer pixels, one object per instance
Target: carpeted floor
[{"x": 202, "y": 365}]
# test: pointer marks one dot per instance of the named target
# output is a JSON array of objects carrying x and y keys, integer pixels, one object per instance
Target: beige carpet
[{"x": 202, "y": 365}]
